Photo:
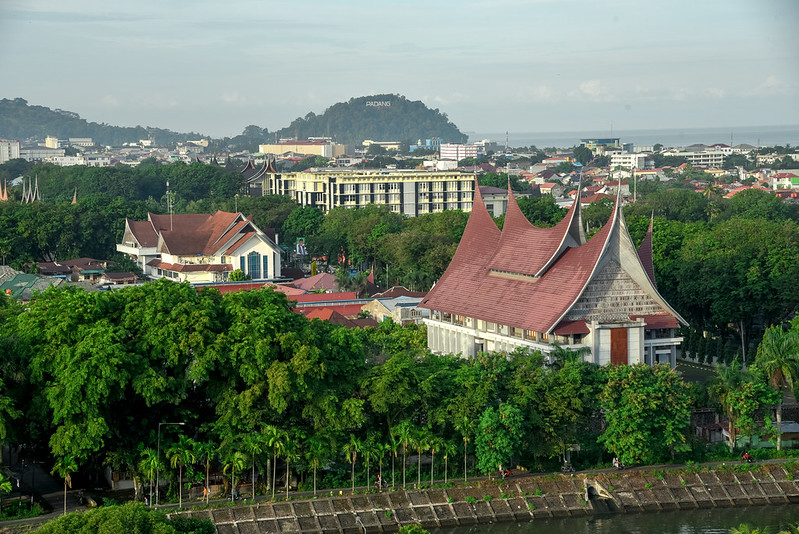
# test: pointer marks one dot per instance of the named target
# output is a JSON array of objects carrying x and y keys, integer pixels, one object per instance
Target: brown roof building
[
  {"x": 536, "y": 288},
  {"x": 200, "y": 248}
]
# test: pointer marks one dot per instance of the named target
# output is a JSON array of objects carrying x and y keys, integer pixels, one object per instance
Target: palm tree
[
  {"x": 316, "y": 452},
  {"x": 291, "y": 452},
  {"x": 350, "y": 450},
  {"x": 778, "y": 357},
  {"x": 436, "y": 444},
  {"x": 273, "y": 438},
  {"x": 728, "y": 381},
  {"x": 421, "y": 441},
  {"x": 235, "y": 462},
  {"x": 181, "y": 454},
  {"x": 404, "y": 433},
  {"x": 6, "y": 487},
  {"x": 64, "y": 467},
  {"x": 148, "y": 464},
  {"x": 254, "y": 445},
  {"x": 369, "y": 451},
  {"x": 205, "y": 451},
  {"x": 465, "y": 426},
  {"x": 448, "y": 448},
  {"x": 393, "y": 445}
]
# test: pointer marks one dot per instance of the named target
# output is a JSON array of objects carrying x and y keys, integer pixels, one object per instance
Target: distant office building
[
  {"x": 324, "y": 148},
  {"x": 8, "y": 150},
  {"x": 81, "y": 141},
  {"x": 628, "y": 161},
  {"x": 700, "y": 158},
  {"x": 52, "y": 142},
  {"x": 601, "y": 144},
  {"x": 457, "y": 152},
  {"x": 410, "y": 192},
  {"x": 388, "y": 145},
  {"x": 40, "y": 153}
]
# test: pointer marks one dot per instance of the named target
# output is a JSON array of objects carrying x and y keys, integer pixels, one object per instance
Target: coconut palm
[
  {"x": 273, "y": 438},
  {"x": 254, "y": 444},
  {"x": 421, "y": 442},
  {"x": 435, "y": 444},
  {"x": 727, "y": 383},
  {"x": 234, "y": 462},
  {"x": 778, "y": 357},
  {"x": 64, "y": 467},
  {"x": 205, "y": 451},
  {"x": 291, "y": 451},
  {"x": 351, "y": 450},
  {"x": 180, "y": 455},
  {"x": 149, "y": 463},
  {"x": 316, "y": 452},
  {"x": 449, "y": 448},
  {"x": 405, "y": 434}
]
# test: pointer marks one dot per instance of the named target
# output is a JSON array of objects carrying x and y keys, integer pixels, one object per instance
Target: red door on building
[{"x": 618, "y": 346}]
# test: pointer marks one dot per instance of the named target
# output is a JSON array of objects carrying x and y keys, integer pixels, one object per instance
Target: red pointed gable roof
[
  {"x": 470, "y": 263},
  {"x": 536, "y": 304},
  {"x": 645, "y": 254},
  {"x": 540, "y": 245}
]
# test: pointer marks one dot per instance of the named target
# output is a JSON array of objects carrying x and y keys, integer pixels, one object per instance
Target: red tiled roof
[
  {"x": 190, "y": 267},
  {"x": 657, "y": 321},
  {"x": 324, "y": 281},
  {"x": 144, "y": 232},
  {"x": 519, "y": 234},
  {"x": 467, "y": 288},
  {"x": 325, "y": 297},
  {"x": 645, "y": 254},
  {"x": 566, "y": 328}
]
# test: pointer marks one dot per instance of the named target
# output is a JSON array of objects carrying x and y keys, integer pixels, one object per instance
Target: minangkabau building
[{"x": 539, "y": 288}]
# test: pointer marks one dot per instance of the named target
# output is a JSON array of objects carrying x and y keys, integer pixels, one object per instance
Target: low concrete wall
[{"x": 521, "y": 498}]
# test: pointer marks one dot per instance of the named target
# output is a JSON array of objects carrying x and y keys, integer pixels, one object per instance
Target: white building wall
[{"x": 8, "y": 150}]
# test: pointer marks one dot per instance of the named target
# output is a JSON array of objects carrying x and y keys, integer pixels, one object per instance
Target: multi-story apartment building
[
  {"x": 457, "y": 152},
  {"x": 313, "y": 147},
  {"x": 410, "y": 192},
  {"x": 628, "y": 161},
  {"x": 700, "y": 158},
  {"x": 8, "y": 150}
]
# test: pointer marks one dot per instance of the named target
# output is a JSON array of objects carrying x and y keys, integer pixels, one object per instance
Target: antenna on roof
[{"x": 169, "y": 204}]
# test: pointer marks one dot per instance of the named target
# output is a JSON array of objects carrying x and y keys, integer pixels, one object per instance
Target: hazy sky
[{"x": 214, "y": 67}]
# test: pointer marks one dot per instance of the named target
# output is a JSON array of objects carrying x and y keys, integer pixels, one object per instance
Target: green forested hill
[
  {"x": 380, "y": 118},
  {"x": 384, "y": 117},
  {"x": 19, "y": 120}
]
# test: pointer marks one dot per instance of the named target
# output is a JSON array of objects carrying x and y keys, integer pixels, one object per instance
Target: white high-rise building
[{"x": 8, "y": 150}]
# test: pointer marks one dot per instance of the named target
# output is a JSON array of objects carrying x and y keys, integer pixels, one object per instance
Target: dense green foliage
[
  {"x": 130, "y": 517},
  {"x": 19, "y": 120},
  {"x": 354, "y": 121}
]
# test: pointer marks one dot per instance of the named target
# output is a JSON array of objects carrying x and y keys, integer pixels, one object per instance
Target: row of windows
[{"x": 251, "y": 265}]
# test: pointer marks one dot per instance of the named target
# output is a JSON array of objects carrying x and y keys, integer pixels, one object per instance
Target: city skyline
[{"x": 523, "y": 66}]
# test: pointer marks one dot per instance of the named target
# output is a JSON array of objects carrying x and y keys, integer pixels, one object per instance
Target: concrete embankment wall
[{"x": 516, "y": 499}]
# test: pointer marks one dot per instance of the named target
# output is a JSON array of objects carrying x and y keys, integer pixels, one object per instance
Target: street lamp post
[{"x": 158, "y": 457}]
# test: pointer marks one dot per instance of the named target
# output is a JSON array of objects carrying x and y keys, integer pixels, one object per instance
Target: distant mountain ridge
[
  {"x": 385, "y": 117},
  {"x": 19, "y": 120}
]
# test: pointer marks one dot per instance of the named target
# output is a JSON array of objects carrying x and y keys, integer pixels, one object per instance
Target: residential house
[{"x": 199, "y": 248}]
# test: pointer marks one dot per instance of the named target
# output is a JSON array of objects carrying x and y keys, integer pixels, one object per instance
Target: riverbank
[{"x": 520, "y": 498}]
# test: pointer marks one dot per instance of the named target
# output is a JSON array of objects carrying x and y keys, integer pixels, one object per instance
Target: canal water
[{"x": 704, "y": 521}]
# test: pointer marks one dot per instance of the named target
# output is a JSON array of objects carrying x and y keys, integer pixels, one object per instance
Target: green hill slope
[
  {"x": 19, "y": 120},
  {"x": 379, "y": 118}
]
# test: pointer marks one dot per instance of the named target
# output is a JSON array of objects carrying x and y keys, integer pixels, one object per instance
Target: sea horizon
[{"x": 757, "y": 136}]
